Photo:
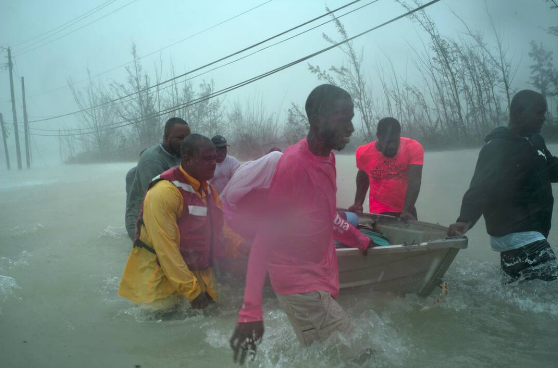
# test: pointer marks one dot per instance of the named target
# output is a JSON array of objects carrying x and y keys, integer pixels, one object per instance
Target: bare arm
[
  {"x": 362, "y": 184},
  {"x": 414, "y": 178}
]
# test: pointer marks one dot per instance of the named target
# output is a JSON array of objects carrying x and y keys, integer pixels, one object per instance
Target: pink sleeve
[
  {"x": 280, "y": 192},
  {"x": 416, "y": 154},
  {"x": 348, "y": 234},
  {"x": 255, "y": 277}
]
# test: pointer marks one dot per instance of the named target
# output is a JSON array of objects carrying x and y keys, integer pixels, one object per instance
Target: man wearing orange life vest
[{"x": 180, "y": 231}]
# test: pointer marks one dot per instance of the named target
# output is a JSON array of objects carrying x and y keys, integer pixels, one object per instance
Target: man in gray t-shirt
[{"x": 153, "y": 161}]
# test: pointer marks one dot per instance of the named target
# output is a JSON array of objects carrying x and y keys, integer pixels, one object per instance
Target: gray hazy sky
[{"x": 152, "y": 25}]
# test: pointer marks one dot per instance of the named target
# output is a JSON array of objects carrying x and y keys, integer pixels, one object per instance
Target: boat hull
[{"x": 415, "y": 265}]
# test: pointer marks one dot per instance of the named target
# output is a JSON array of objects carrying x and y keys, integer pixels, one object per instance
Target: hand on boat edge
[
  {"x": 370, "y": 245},
  {"x": 458, "y": 229},
  {"x": 357, "y": 208},
  {"x": 406, "y": 217}
]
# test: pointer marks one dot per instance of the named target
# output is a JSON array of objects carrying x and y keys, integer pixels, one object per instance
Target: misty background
[{"x": 442, "y": 73}]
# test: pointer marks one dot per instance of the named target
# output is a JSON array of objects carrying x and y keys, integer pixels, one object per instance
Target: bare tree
[
  {"x": 140, "y": 108},
  {"x": 253, "y": 129},
  {"x": 350, "y": 76},
  {"x": 296, "y": 126},
  {"x": 97, "y": 114}
]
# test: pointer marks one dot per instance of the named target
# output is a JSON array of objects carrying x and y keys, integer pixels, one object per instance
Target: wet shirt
[
  {"x": 514, "y": 240},
  {"x": 296, "y": 245},
  {"x": 388, "y": 176},
  {"x": 149, "y": 278},
  {"x": 224, "y": 172},
  {"x": 154, "y": 161}
]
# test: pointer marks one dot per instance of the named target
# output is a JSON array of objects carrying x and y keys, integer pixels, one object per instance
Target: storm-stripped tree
[
  {"x": 97, "y": 115},
  {"x": 140, "y": 109},
  {"x": 350, "y": 76}
]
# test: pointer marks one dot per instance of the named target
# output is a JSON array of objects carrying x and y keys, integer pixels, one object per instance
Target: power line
[
  {"x": 243, "y": 57},
  {"x": 154, "y": 52},
  {"x": 77, "y": 29},
  {"x": 251, "y": 80},
  {"x": 203, "y": 66},
  {"x": 68, "y": 23}
]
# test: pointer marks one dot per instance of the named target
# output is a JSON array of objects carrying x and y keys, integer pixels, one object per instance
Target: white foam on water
[
  {"x": 373, "y": 342},
  {"x": 216, "y": 338},
  {"x": 8, "y": 285},
  {"x": 475, "y": 283},
  {"x": 23, "y": 230},
  {"x": 109, "y": 289},
  {"x": 15, "y": 185},
  {"x": 111, "y": 231},
  {"x": 9, "y": 264}
]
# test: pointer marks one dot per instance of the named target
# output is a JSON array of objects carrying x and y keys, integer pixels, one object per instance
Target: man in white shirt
[{"x": 226, "y": 165}]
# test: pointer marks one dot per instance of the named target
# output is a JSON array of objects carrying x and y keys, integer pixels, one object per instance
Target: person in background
[
  {"x": 180, "y": 231},
  {"x": 274, "y": 149},
  {"x": 511, "y": 188},
  {"x": 296, "y": 243},
  {"x": 392, "y": 168},
  {"x": 226, "y": 165},
  {"x": 130, "y": 176},
  {"x": 152, "y": 162}
]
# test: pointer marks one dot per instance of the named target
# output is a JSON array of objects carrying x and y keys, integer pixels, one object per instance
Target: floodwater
[{"x": 63, "y": 247}]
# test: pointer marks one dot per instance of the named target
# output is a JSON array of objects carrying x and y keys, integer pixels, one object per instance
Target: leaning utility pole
[
  {"x": 16, "y": 131},
  {"x": 25, "y": 125},
  {"x": 4, "y": 133}
]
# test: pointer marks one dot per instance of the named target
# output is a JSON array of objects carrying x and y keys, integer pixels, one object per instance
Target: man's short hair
[
  {"x": 386, "y": 125},
  {"x": 191, "y": 144},
  {"x": 523, "y": 100},
  {"x": 321, "y": 99},
  {"x": 172, "y": 122}
]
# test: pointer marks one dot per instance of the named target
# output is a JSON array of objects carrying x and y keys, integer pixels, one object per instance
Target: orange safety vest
[{"x": 197, "y": 223}]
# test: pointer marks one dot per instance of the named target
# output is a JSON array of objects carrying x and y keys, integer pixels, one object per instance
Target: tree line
[{"x": 464, "y": 87}]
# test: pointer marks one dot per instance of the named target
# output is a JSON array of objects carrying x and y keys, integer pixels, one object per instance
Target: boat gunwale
[{"x": 449, "y": 243}]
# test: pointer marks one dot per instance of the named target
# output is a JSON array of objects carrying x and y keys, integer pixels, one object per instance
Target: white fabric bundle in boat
[{"x": 252, "y": 175}]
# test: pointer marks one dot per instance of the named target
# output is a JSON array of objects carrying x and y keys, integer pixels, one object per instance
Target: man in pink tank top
[{"x": 295, "y": 245}]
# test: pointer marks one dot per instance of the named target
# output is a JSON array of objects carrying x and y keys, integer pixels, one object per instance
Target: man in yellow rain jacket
[{"x": 180, "y": 231}]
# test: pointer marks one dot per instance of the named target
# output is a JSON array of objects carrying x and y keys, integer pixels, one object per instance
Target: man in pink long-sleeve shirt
[{"x": 296, "y": 245}]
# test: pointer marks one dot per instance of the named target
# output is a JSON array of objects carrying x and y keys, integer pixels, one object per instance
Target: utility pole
[
  {"x": 60, "y": 146},
  {"x": 25, "y": 125},
  {"x": 4, "y": 133},
  {"x": 16, "y": 131}
]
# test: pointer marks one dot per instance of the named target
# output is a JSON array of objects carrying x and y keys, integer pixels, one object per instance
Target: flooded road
[{"x": 63, "y": 248}]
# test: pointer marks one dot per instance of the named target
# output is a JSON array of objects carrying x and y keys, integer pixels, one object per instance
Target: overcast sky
[{"x": 152, "y": 25}]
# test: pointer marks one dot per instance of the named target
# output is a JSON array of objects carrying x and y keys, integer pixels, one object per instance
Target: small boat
[{"x": 415, "y": 264}]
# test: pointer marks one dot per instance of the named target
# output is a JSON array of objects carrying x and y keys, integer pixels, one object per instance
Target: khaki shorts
[{"x": 314, "y": 315}]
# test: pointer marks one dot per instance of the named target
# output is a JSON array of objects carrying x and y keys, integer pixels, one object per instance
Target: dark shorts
[{"x": 532, "y": 261}]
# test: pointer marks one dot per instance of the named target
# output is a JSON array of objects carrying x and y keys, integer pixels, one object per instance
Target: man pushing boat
[
  {"x": 295, "y": 245},
  {"x": 392, "y": 168},
  {"x": 511, "y": 188},
  {"x": 180, "y": 231}
]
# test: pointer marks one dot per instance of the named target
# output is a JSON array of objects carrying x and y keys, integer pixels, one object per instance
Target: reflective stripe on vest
[
  {"x": 197, "y": 210},
  {"x": 185, "y": 187}
]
